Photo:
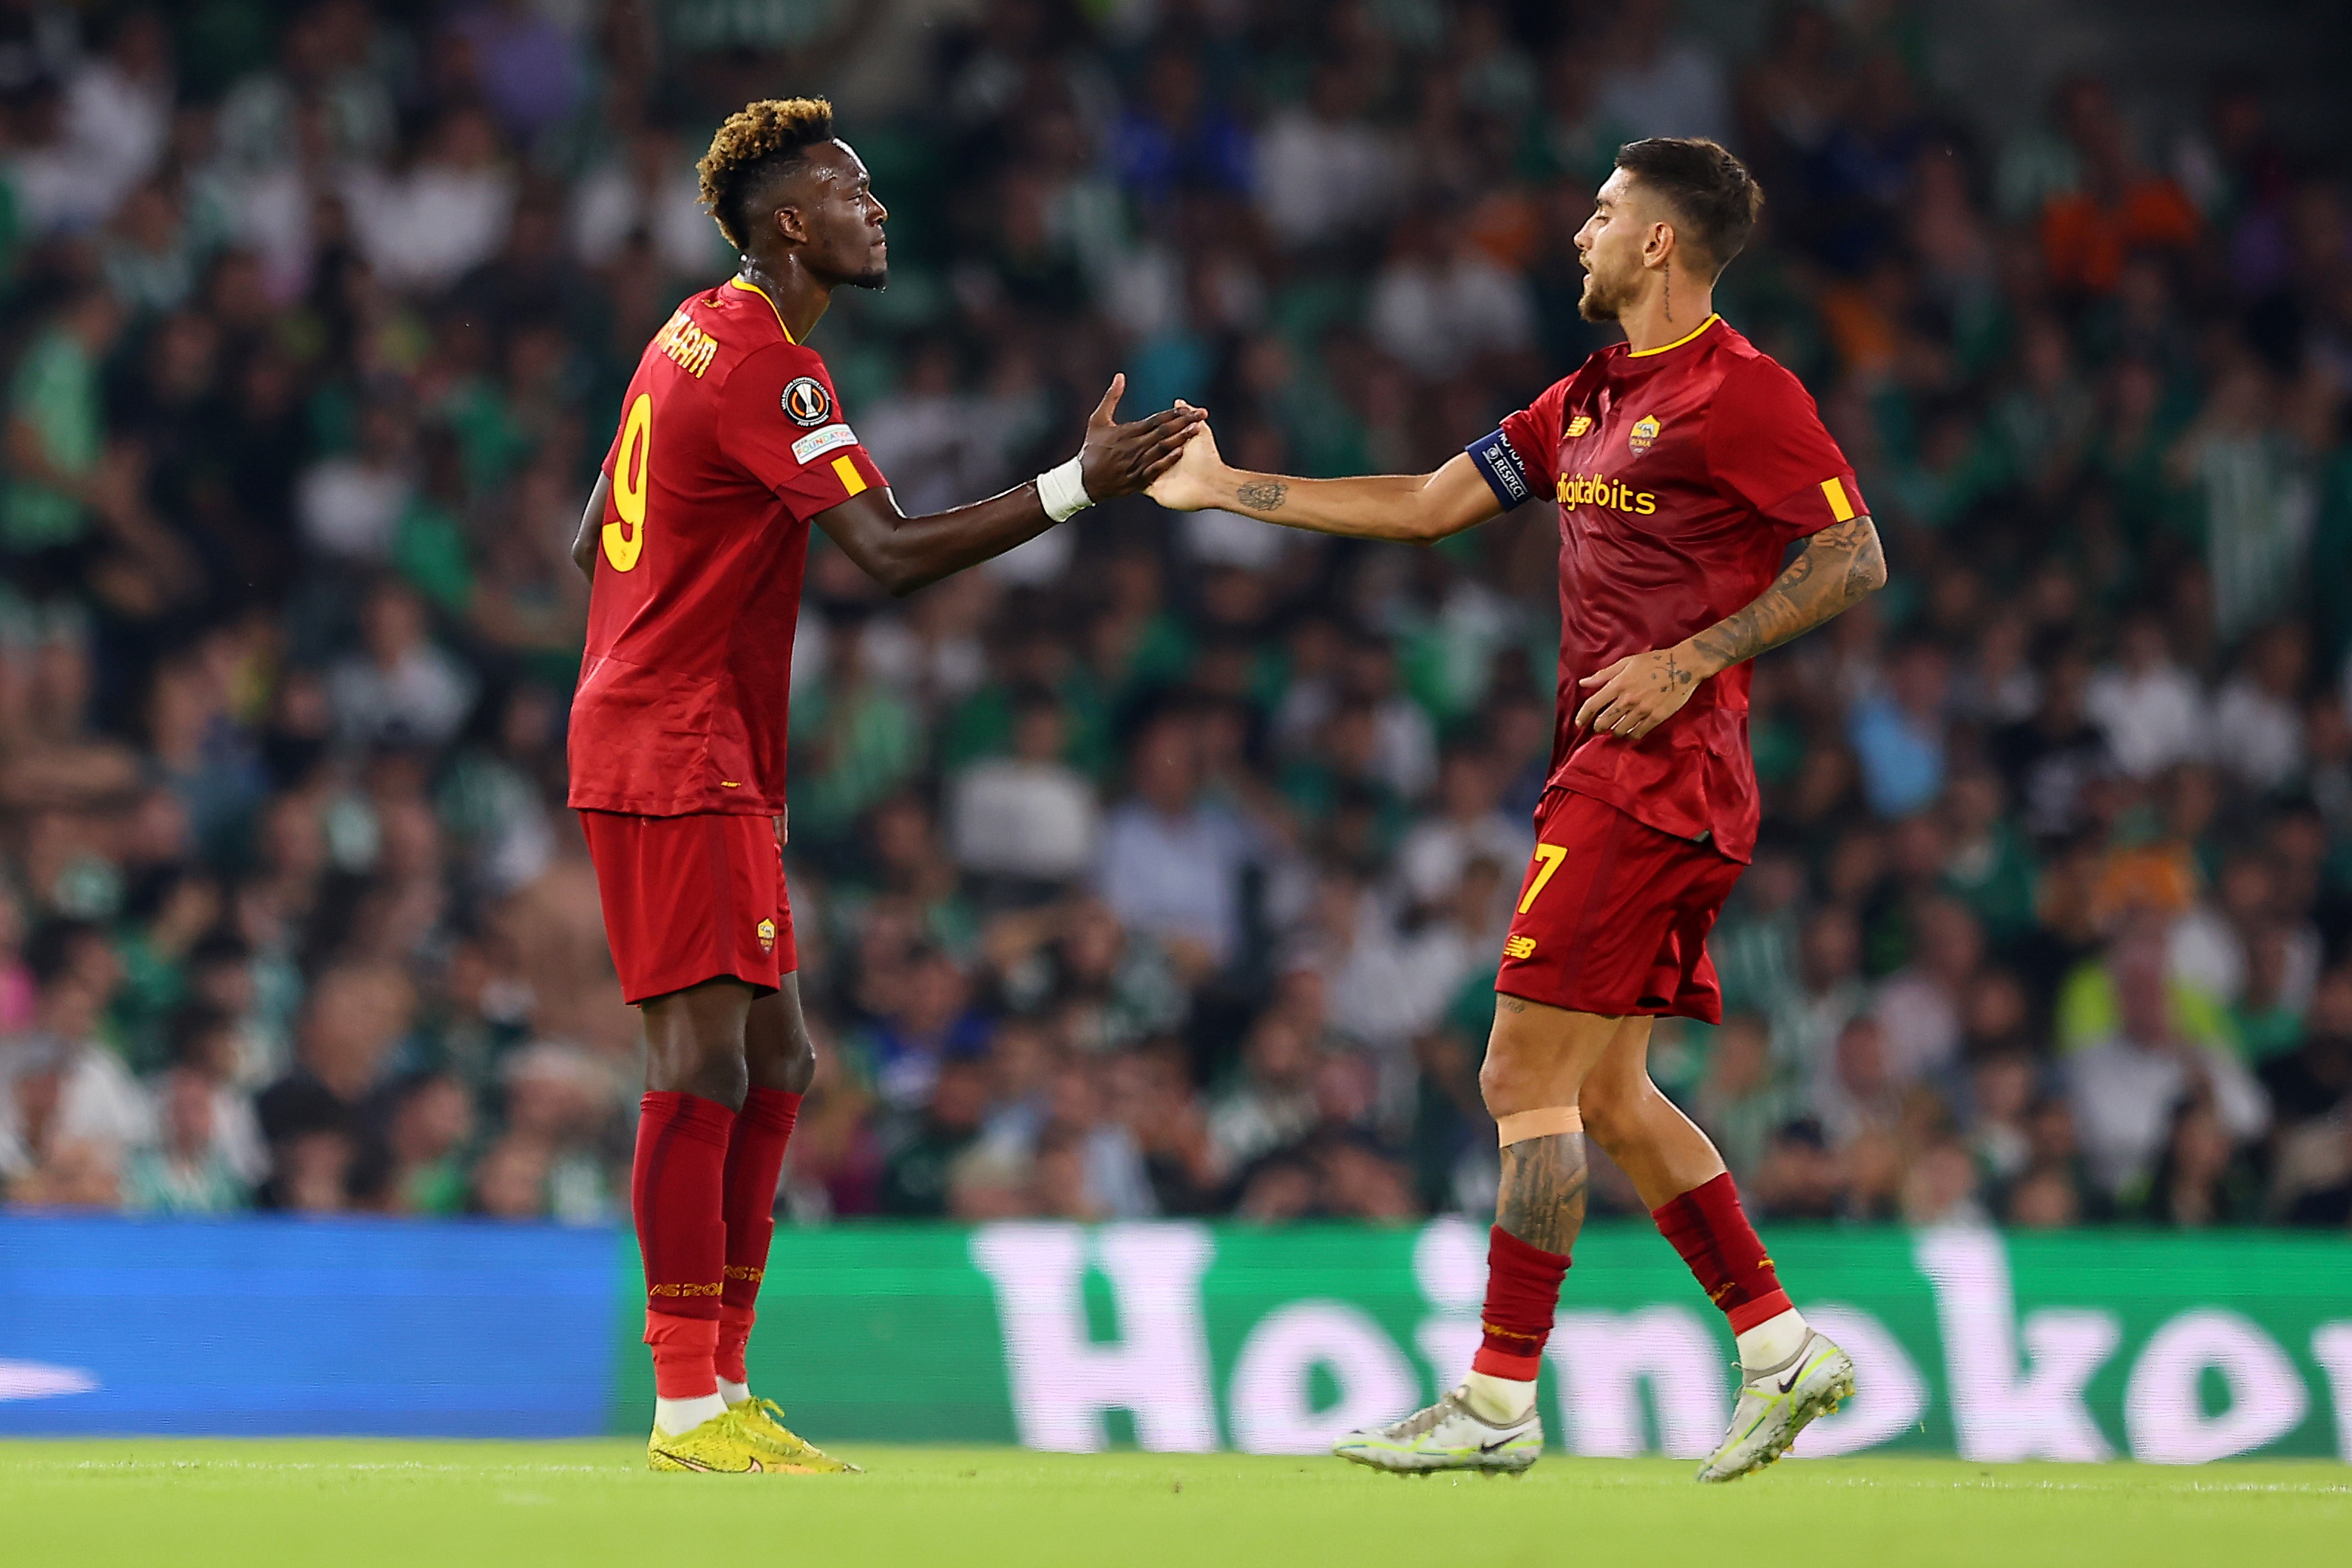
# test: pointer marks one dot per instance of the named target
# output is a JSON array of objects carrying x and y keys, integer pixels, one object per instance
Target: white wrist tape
[{"x": 1063, "y": 491}]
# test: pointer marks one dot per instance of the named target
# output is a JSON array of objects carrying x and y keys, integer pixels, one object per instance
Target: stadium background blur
[{"x": 1159, "y": 867}]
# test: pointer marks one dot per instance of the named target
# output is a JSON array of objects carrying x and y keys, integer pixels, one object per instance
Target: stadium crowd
[{"x": 1159, "y": 867}]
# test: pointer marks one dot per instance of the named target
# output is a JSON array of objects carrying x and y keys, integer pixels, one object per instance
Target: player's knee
[
  {"x": 723, "y": 1078},
  {"x": 1504, "y": 1084},
  {"x": 710, "y": 1070},
  {"x": 793, "y": 1068},
  {"x": 1605, "y": 1111}
]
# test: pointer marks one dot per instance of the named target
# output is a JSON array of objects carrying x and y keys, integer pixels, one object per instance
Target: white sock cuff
[{"x": 1773, "y": 1342}]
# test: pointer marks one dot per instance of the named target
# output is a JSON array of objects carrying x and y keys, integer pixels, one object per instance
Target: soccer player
[
  {"x": 1685, "y": 462},
  {"x": 731, "y": 445}
]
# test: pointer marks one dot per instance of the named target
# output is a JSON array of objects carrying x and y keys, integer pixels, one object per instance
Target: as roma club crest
[
  {"x": 806, "y": 402},
  {"x": 1645, "y": 430},
  {"x": 767, "y": 930}
]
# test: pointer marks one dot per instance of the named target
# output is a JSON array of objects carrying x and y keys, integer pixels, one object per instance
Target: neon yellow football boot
[
  {"x": 721, "y": 1446},
  {"x": 783, "y": 1449}
]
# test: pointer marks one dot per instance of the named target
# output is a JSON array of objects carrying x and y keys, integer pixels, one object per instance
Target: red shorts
[
  {"x": 689, "y": 899},
  {"x": 1614, "y": 915}
]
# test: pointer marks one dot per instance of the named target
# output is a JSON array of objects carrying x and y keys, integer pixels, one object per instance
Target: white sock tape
[{"x": 1063, "y": 491}]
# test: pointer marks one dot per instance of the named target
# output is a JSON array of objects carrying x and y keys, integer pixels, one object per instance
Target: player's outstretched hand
[
  {"x": 1637, "y": 694},
  {"x": 1122, "y": 459},
  {"x": 1185, "y": 485}
]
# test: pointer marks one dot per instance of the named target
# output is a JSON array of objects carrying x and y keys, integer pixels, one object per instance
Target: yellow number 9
[{"x": 625, "y": 540}]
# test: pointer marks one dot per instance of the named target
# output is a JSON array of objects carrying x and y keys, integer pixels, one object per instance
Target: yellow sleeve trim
[
  {"x": 851, "y": 479},
  {"x": 748, "y": 286},
  {"x": 1678, "y": 343},
  {"x": 1839, "y": 507}
]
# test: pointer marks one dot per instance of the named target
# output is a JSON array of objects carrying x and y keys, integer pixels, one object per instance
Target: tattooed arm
[
  {"x": 1840, "y": 566},
  {"x": 1415, "y": 508}
]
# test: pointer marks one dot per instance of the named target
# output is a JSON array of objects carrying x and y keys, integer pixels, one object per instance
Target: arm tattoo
[
  {"x": 1263, "y": 496},
  {"x": 1838, "y": 567},
  {"x": 1541, "y": 1200}
]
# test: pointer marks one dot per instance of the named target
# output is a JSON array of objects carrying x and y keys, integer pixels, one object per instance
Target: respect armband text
[{"x": 1498, "y": 463}]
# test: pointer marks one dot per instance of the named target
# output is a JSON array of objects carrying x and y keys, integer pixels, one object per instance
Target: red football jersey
[
  {"x": 731, "y": 441},
  {"x": 1683, "y": 473}
]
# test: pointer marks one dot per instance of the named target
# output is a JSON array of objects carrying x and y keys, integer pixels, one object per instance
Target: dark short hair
[{"x": 1711, "y": 192}]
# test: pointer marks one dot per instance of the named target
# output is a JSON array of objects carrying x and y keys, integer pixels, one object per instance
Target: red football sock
[
  {"x": 677, "y": 1187},
  {"x": 1522, "y": 1297},
  {"x": 682, "y": 1351},
  {"x": 755, "y": 1156},
  {"x": 1711, "y": 1231}
]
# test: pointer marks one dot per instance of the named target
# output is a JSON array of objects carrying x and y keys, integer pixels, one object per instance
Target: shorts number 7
[{"x": 1548, "y": 856}]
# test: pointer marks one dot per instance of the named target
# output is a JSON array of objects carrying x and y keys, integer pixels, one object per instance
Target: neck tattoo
[{"x": 1669, "y": 282}]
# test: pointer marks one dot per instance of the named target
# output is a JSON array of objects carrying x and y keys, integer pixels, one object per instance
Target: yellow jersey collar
[
  {"x": 748, "y": 286},
  {"x": 1678, "y": 343}
]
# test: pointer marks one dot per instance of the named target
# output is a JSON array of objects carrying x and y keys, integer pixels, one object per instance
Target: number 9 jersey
[{"x": 731, "y": 441}]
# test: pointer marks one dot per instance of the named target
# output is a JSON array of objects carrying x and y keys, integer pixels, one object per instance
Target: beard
[
  {"x": 1598, "y": 302},
  {"x": 877, "y": 277}
]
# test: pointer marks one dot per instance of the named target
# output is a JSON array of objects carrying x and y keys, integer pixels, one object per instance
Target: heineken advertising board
[
  {"x": 1181, "y": 1337},
  {"x": 2078, "y": 1345}
]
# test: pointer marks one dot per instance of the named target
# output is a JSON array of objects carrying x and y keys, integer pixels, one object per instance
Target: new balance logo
[{"x": 1519, "y": 948}]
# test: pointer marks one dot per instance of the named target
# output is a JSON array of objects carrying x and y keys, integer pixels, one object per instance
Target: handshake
[{"x": 1170, "y": 456}]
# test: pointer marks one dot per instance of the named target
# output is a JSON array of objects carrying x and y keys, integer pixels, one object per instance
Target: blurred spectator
[
  {"x": 425, "y": 225},
  {"x": 1898, "y": 733},
  {"x": 647, "y": 187},
  {"x": 1441, "y": 303},
  {"x": 1467, "y": 823},
  {"x": 2125, "y": 1086},
  {"x": 399, "y": 689},
  {"x": 184, "y": 1171},
  {"x": 1029, "y": 817},
  {"x": 2149, "y": 708},
  {"x": 56, "y": 437},
  {"x": 1322, "y": 166},
  {"x": 927, "y": 1025},
  {"x": 1172, "y": 862},
  {"x": 1270, "y": 1103},
  {"x": 1918, "y": 1006},
  {"x": 429, "y": 1120},
  {"x": 1657, "y": 86},
  {"x": 917, "y": 1178},
  {"x": 2258, "y": 718}
]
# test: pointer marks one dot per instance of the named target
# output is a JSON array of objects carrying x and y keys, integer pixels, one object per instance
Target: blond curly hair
[{"x": 752, "y": 140}]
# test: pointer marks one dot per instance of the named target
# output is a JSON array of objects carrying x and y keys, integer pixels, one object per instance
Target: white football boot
[
  {"x": 1776, "y": 1405},
  {"x": 1448, "y": 1435}
]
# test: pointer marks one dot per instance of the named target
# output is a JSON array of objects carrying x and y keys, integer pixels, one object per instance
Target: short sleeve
[
  {"x": 1516, "y": 461},
  {"x": 1766, "y": 445},
  {"x": 783, "y": 425}
]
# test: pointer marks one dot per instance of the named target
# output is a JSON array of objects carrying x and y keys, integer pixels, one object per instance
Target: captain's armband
[{"x": 1498, "y": 463}]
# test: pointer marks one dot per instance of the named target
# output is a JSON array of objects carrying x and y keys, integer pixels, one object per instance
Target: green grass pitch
[{"x": 258, "y": 1504}]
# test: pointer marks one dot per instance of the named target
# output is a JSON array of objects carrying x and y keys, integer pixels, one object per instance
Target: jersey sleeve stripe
[
  {"x": 1498, "y": 463},
  {"x": 1839, "y": 507},
  {"x": 851, "y": 479}
]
